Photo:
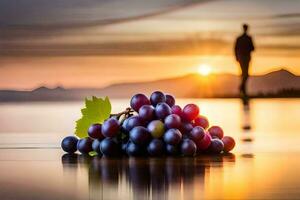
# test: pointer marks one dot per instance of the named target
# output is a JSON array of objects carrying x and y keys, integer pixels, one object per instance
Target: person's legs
[{"x": 244, "y": 63}]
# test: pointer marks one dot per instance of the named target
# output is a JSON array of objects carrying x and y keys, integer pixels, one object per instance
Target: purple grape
[
  {"x": 94, "y": 131},
  {"x": 138, "y": 100},
  {"x": 96, "y": 146},
  {"x": 110, "y": 127},
  {"x": 172, "y": 136},
  {"x": 69, "y": 144},
  {"x": 172, "y": 149},
  {"x": 147, "y": 112},
  {"x": 157, "y": 97},
  {"x": 156, "y": 147},
  {"x": 177, "y": 110},
  {"x": 162, "y": 110},
  {"x": 133, "y": 149},
  {"x": 84, "y": 145},
  {"x": 132, "y": 122},
  {"x": 170, "y": 100},
  {"x": 197, "y": 134},
  {"x": 139, "y": 135},
  {"x": 173, "y": 121},
  {"x": 109, "y": 147},
  {"x": 216, "y": 146},
  {"x": 188, "y": 147},
  {"x": 186, "y": 128}
]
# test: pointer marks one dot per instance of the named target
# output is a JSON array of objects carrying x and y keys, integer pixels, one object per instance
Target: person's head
[{"x": 245, "y": 28}]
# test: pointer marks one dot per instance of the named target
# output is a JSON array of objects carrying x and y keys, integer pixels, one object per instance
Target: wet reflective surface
[{"x": 264, "y": 164}]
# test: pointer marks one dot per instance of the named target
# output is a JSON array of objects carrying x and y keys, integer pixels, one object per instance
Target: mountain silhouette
[{"x": 274, "y": 84}]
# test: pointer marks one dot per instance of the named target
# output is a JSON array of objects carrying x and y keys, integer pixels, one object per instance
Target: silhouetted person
[{"x": 243, "y": 48}]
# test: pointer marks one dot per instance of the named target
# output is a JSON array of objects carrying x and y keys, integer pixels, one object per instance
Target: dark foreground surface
[
  {"x": 48, "y": 174},
  {"x": 264, "y": 165}
]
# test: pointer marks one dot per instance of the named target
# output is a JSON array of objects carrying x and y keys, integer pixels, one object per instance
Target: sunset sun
[{"x": 204, "y": 69}]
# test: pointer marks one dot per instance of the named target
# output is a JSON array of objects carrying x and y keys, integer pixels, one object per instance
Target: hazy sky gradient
[{"x": 95, "y": 43}]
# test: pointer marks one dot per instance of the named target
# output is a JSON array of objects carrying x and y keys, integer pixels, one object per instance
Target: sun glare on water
[{"x": 204, "y": 69}]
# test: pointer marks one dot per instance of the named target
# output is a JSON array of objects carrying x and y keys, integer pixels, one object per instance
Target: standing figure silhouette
[{"x": 243, "y": 48}]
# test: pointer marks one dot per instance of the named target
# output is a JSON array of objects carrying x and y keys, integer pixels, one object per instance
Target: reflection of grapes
[{"x": 159, "y": 127}]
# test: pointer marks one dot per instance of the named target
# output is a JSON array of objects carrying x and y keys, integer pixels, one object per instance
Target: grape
[
  {"x": 94, "y": 131},
  {"x": 138, "y": 100},
  {"x": 133, "y": 121},
  {"x": 156, "y": 128},
  {"x": 177, "y": 110},
  {"x": 172, "y": 149},
  {"x": 186, "y": 128},
  {"x": 96, "y": 146},
  {"x": 201, "y": 121},
  {"x": 228, "y": 142},
  {"x": 197, "y": 134},
  {"x": 124, "y": 147},
  {"x": 147, "y": 112},
  {"x": 84, "y": 145},
  {"x": 156, "y": 147},
  {"x": 124, "y": 125},
  {"x": 188, "y": 147},
  {"x": 157, "y": 97},
  {"x": 216, "y": 132},
  {"x": 139, "y": 135},
  {"x": 216, "y": 146},
  {"x": 190, "y": 112},
  {"x": 69, "y": 144},
  {"x": 204, "y": 143},
  {"x": 110, "y": 127},
  {"x": 170, "y": 100},
  {"x": 133, "y": 149},
  {"x": 173, "y": 121},
  {"x": 172, "y": 136},
  {"x": 109, "y": 147},
  {"x": 162, "y": 110}
]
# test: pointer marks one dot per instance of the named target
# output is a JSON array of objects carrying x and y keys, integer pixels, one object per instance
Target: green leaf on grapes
[
  {"x": 96, "y": 111},
  {"x": 93, "y": 153}
]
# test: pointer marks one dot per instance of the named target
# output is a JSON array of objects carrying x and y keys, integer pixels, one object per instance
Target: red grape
[
  {"x": 201, "y": 121},
  {"x": 190, "y": 112},
  {"x": 229, "y": 143},
  {"x": 204, "y": 143},
  {"x": 216, "y": 132}
]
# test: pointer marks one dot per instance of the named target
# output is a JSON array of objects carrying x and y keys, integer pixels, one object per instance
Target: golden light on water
[{"x": 204, "y": 69}]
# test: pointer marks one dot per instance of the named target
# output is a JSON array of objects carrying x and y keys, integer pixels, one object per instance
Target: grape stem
[{"x": 126, "y": 112}]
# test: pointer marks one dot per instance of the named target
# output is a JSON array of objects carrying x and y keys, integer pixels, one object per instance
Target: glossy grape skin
[
  {"x": 96, "y": 146},
  {"x": 216, "y": 132},
  {"x": 109, "y": 147},
  {"x": 132, "y": 122},
  {"x": 201, "y": 121},
  {"x": 170, "y": 100},
  {"x": 190, "y": 112},
  {"x": 186, "y": 128},
  {"x": 69, "y": 144},
  {"x": 110, "y": 127},
  {"x": 197, "y": 134},
  {"x": 94, "y": 131},
  {"x": 140, "y": 135},
  {"x": 138, "y": 100},
  {"x": 84, "y": 145},
  {"x": 162, "y": 110},
  {"x": 177, "y": 110},
  {"x": 157, "y": 97},
  {"x": 204, "y": 143},
  {"x": 172, "y": 121},
  {"x": 156, "y": 128},
  {"x": 188, "y": 147},
  {"x": 147, "y": 113},
  {"x": 172, "y": 136},
  {"x": 133, "y": 149},
  {"x": 229, "y": 143},
  {"x": 172, "y": 149},
  {"x": 216, "y": 146},
  {"x": 156, "y": 147}
]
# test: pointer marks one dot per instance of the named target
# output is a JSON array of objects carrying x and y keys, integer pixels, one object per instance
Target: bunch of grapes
[{"x": 153, "y": 127}]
